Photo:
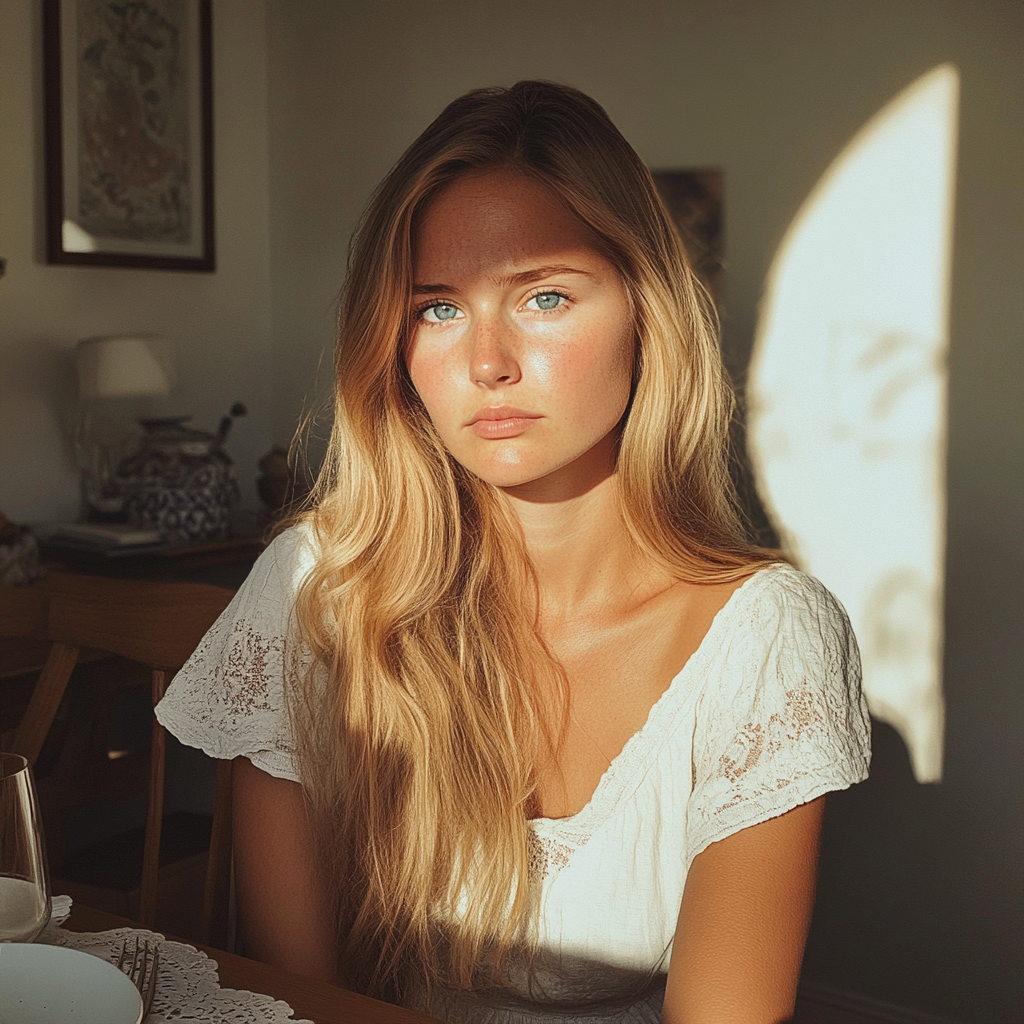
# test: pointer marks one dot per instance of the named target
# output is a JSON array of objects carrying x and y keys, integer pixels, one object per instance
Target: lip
[{"x": 501, "y": 422}]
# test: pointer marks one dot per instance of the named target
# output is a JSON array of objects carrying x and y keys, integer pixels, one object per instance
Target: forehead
[{"x": 495, "y": 221}]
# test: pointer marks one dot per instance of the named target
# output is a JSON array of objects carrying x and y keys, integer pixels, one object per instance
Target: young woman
[{"x": 526, "y": 730}]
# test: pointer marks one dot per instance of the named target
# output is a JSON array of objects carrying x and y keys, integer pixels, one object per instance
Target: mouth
[{"x": 501, "y": 422}]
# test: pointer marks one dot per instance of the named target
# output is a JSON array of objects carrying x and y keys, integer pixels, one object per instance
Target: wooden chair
[
  {"x": 158, "y": 625},
  {"x": 27, "y": 648}
]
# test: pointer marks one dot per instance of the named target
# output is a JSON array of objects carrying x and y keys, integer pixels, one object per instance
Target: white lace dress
[{"x": 766, "y": 715}]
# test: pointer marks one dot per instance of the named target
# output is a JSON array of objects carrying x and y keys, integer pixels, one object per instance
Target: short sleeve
[
  {"x": 785, "y": 722},
  {"x": 229, "y": 697}
]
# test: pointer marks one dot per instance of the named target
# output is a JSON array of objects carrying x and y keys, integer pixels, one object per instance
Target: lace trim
[
  {"x": 549, "y": 854},
  {"x": 802, "y": 720},
  {"x": 246, "y": 666},
  {"x": 229, "y": 699}
]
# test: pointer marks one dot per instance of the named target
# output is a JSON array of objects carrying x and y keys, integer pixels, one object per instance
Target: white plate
[{"x": 42, "y": 984}]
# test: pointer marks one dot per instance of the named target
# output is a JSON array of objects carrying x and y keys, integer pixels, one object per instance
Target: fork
[{"x": 140, "y": 964}]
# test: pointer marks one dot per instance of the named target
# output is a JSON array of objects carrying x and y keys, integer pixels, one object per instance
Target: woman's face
[{"x": 521, "y": 346}]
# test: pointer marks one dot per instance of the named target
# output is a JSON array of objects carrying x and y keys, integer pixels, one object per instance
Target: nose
[{"x": 492, "y": 361}]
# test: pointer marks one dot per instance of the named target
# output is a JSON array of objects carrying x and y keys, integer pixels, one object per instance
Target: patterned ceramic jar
[{"x": 181, "y": 482}]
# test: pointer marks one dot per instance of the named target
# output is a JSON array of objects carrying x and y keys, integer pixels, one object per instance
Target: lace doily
[{"x": 188, "y": 988}]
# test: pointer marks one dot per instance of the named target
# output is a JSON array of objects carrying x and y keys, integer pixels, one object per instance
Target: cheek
[
  {"x": 598, "y": 375},
  {"x": 620, "y": 372},
  {"x": 430, "y": 378}
]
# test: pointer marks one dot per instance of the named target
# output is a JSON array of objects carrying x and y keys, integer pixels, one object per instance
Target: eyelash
[
  {"x": 549, "y": 291},
  {"x": 418, "y": 311}
]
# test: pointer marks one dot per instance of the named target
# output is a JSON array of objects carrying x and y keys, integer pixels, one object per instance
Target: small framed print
[
  {"x": 695, "y": 200},
  {"x": 129, "y": 133}
]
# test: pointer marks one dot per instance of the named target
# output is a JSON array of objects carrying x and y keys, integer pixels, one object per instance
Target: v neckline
[{"x": 583, "y": 821}]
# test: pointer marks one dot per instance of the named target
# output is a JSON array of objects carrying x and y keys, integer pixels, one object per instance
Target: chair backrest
[
  {"x": 158, "y": 625},
  {"x": 23, "y": 612}
]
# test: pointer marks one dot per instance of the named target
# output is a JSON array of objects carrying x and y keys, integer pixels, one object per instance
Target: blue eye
[
  {"x": 546, "y": 300},
  {"x": 440, "y": 312}
]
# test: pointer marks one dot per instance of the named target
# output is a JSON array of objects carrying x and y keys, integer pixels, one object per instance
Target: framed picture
[
  {"x": 129, "y": 133},
  {"x": 695, "y": 201}
]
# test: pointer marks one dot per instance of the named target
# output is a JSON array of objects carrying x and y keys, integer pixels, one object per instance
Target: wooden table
[
  {"x": 224, "y": 563},
  {"x": 313, "y": 1000}
]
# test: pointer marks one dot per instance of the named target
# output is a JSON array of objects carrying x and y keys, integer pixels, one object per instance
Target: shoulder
[
  {"x": 785, "y": 638},
  {"x": 784, "y": 609},
  {"x": 781, "y": 718},
  {"x": 784, "y": 590},
  {"x": 788, "y": 667},
  {"x": 285, "y": 562}
]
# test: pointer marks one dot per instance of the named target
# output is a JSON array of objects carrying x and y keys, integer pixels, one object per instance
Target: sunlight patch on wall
[{"x": 847, "y": 395}]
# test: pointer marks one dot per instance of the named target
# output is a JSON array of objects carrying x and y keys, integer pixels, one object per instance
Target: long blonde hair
[{"x": 420, "y": 733}]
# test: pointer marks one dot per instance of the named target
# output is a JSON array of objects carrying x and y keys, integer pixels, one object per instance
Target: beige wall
[
  {"x": 916, "y": 898},
  {"x": 220, "y": 323}
]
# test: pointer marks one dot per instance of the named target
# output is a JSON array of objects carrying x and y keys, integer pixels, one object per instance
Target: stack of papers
[{"x": 119, "y": 535}]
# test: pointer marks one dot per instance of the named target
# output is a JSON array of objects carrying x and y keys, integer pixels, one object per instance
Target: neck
[{"x": 586, "y": 562}]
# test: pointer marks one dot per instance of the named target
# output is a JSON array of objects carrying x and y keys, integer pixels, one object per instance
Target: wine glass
[{"x": 24, "y": 878}]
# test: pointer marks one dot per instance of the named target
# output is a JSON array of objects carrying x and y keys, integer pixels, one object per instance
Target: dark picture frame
[{"x": 129, "y": 134}]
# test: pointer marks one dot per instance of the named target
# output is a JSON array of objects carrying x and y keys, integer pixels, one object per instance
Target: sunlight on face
[{"x": 521, "y": 346}]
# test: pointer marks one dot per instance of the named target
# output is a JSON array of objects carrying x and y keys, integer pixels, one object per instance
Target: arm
[
  {"x": 281, "y": 907},
  {"x": 745, "y": 914}
]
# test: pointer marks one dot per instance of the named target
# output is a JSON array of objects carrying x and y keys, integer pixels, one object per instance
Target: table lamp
[
  {"x": 123, "y": 366},
  {"x": 113, "y": 367}
]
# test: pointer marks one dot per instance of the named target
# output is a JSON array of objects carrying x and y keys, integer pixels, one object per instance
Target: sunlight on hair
[{"x": 848, "y": 397}]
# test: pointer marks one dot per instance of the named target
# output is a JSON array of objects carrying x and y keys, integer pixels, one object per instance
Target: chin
[
  {"x": 504, "y": 474},
  {"x": 561, "y": 474},
  {"x": 547, "y": 483},
  {"x": 508, "y": 477}
]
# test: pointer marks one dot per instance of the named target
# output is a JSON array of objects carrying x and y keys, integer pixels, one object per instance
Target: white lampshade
[{"x": 123, "y": 365}]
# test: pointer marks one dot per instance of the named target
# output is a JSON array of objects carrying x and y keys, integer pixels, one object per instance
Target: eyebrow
[{"x": 509, "y": 280}]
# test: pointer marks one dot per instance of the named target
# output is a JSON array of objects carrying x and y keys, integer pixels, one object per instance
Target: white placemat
[{"x": 188, "y": 988}]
